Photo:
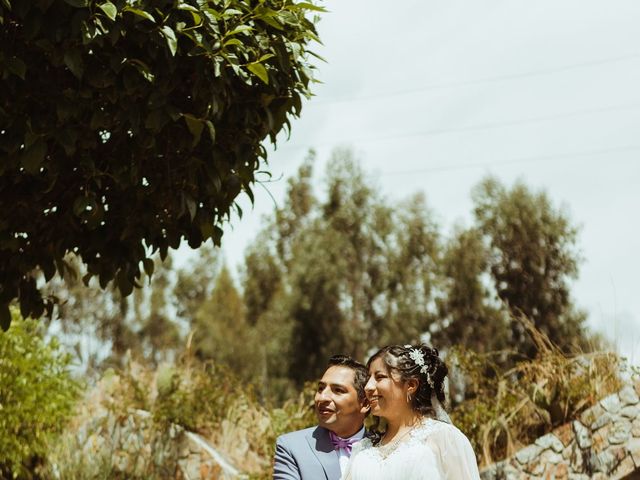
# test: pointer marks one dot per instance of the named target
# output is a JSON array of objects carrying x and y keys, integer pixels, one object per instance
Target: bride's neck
[{"x": 402, "y": 423}]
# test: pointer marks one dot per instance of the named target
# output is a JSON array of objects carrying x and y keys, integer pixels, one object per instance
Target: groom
[{"x": 322, "y": 452}]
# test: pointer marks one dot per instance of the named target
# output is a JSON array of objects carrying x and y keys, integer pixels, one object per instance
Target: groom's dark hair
[{"x": 361, "y": 374}]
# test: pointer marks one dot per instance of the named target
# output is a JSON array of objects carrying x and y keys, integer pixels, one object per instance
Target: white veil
[{"x": 439, "y": 410}]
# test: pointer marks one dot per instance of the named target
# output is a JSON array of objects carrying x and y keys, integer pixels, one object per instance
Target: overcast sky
[{"x": 434, "y": 96}]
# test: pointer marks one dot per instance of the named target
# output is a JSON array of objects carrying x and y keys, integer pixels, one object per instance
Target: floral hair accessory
[{"x": 418, "y": 358}]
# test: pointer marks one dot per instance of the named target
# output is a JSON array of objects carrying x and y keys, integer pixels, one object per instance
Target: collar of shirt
[
  {"x": 343, "y": 454},
  {"x": 359, "y": 435}
]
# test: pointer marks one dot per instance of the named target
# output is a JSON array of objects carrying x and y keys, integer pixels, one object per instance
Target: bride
[{"x": 406, "y": 388}]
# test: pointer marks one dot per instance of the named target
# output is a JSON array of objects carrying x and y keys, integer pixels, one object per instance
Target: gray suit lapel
[{"x": 323, "y": 449}]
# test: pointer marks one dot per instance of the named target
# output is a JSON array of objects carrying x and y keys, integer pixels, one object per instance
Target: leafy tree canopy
[
  {"x": 128, "y": 125},
  {"x": 340, "y": 273},
  {"x": 532, "y": 257}
]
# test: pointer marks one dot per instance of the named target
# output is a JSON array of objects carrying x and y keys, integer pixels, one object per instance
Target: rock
[
  {"x": 492, "y": 472},
  {"x": 628, "y": 396},
  {"x": 619, "y": 433},
  {"x": 536, "y": 468},
  {"x": 550, "y": 441},
  {"x": 577, "y": 460},
  {"x": 633, "y": 447},
  {"x": 630, "y": 411},
  {"x": 564, "y": 434},
  {"x": 528, "y": 454},
  {"x": 625, "y": 467},
  {"x": 591, "y": 414},
  {"x": 603, "y": 461},
  {"x": 635, "y": 428},
  {"x": 583, "y": 435},
  {"x": 550, "y": 457},
  {"x": 567, "y": 453},
  {"x": 604, "y": 420},
  {"x": 558, "y": 472},
  {"x": 611, "y": 403}
]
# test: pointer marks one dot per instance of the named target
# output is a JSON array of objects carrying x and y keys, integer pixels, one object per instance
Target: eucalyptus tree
[
  {"x": 340, "y": 272},
  {"x": 532, "y": 258}
]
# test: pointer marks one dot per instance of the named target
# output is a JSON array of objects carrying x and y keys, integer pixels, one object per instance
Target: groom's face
[{"x": 337, "y": 405}]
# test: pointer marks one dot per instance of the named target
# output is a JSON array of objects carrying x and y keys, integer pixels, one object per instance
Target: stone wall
[
  {"x": 604, "y": 443},
  {"x": 135, "y": 448}
]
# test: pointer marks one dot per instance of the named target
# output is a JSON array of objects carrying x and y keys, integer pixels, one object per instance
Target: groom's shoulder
[{"x": 296, "y": 435}]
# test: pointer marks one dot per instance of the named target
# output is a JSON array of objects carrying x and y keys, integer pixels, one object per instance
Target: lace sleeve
[{"x": 456, "y": 457}]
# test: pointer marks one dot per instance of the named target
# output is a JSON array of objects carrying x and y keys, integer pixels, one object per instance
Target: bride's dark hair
[{"x": 419, "y": 362}]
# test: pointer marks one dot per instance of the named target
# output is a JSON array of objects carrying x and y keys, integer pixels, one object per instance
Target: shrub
[
  {"x": 508, "y": 408},
  {"x": 199, "y": 396},
  {"x": 37, "y": 395}
]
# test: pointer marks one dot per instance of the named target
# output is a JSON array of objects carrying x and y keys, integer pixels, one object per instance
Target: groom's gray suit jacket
[{"x": 306, "y": 455}]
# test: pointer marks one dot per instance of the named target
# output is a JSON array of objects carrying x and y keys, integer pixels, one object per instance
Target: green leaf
[
  {"x": 140, "y": 13},
  {"x": 73, "y": 60},
  {"x": 229, "y": 12},
  {"x": 191, "y": 206},
  {"x": 307, "y": 6},
  {"x": 217, "y": 235},
  {"x": 124, "y": 284},
  {"x": 195, "y": 126},
  {"x": 16, "y": 66},
  {"x": 266, "y": 57},
  {"x": 77, "y": 3},
  {"x": 259, "y": 70},
  {"x": 240, "y": 29},
  {"x": 143, "y": 68},
  {"x": 206, "y": 230},
  {"x": 270, "y": 19},
  {"x": 170, "y": 35},
  {"x": 5, "y": 317},
  {"x": 33, "y": 156},
  {"x": 212, "y": 131},
  {"x": 109, "y": 10},
  {"x": 187, "y": 7},
  {"x": 233, "y": 41},
  {"x": 148, "y": 266}
]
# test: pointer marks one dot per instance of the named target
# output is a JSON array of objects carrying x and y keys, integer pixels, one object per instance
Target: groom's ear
[{"x": 365, "y": 407}]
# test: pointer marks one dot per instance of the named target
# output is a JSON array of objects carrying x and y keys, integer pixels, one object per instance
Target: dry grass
[
  {"x": 508, "y": 409},
  {"x": 198, "y": 396}
]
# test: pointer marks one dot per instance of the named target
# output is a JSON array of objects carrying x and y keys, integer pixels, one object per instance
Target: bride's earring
[{"x": 409, "y": 398}]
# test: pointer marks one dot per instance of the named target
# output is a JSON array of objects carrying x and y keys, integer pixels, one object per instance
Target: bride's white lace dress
[{"x": 433, "y": 450}]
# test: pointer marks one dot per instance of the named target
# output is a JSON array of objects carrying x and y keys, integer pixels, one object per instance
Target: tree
[
  {"x": 129, "y": 125},
  {"x": 221, "y": 332},
  {"x": 38, "y": 396},
  {"x": 532, "y": 258},
  {"x": 142, "y": 323},
  {"x": 472, "y": 315},
  {"x": 158, "y": 333},
  {"x": 351, "y": 272}
]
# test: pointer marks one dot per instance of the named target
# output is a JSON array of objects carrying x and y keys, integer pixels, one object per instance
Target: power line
[
  {"x": 506, "y": 123},
  {"x": 480, "y": 81},
  {"x": 512, "y": 161},
  {"x": 482, "y": 126}
]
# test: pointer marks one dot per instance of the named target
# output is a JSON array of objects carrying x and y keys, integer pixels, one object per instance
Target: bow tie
[{"x": 345, "y": 443}]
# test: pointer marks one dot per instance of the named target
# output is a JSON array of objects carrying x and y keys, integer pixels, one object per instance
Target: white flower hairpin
[{"x": 418, "y": 358}]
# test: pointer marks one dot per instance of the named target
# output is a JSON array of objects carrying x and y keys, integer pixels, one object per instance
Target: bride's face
[{"x": 386, "y": 392}]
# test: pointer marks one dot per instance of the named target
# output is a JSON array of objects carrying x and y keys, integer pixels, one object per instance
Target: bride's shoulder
[{"x": 432, "y": 428}]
